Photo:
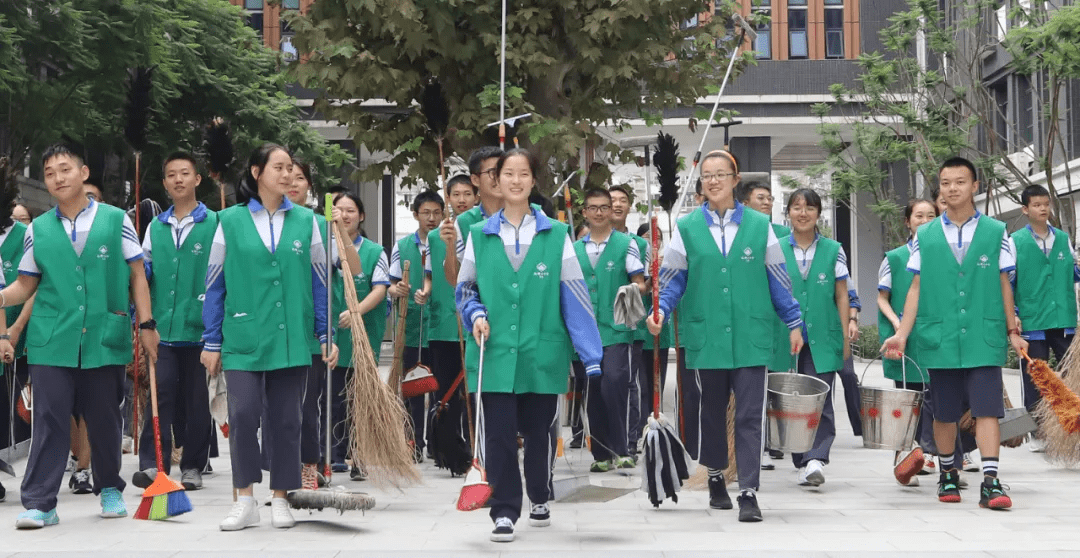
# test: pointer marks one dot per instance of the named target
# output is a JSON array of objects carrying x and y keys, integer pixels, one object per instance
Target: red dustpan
[{"x": 476, "y": 491}]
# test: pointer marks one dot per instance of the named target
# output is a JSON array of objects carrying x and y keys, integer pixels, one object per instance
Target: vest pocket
[
  {"x": 695, "y": 333},
  {"x": 761, "y": 332},
  {"x": 552, "y": 353},
  {"x": 238, "y": 334},
  {"x": 40, "y": 330},
  {"x": 117, "y": 331},
  {"x": 994, "y": 332},
  {"x": 929, "y": 336}
]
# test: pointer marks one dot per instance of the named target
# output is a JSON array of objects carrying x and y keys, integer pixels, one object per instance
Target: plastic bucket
[
  {"x": 793, "y": 409},
  {"x": 889, "y": 415}
]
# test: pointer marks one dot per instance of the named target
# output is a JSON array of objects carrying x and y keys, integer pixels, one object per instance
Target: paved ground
[{"x": 859, "y": 511}]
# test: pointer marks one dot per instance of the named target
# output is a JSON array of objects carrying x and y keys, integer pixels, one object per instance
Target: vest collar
[
  {"x": 945, "y": 218},
  {"x": 817, "y": 236},
  {"x": 1052, "y": 232},
  {"x": 712, "y": 217},
  {"x": 256, "y": 206},
  {"x": 416, "y": 238},
  {"x": 88, "y": 207},
  {"x": 494, "y": 224},
  {"x": 198, "y": 214}
]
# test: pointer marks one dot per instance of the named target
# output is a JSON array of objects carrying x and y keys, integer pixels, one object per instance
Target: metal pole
[{"x": 502, "y": 82}]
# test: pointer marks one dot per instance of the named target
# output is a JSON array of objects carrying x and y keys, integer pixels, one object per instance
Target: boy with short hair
[
  {"x": 428, "y": 210},
  {"x": 84, "y": 261},
  {"x": 966, "y": 320},
  {"x": 454, "y": 233},
  {"x": 176, "y": 251},
  {"x": 1044, "y": 284},
  {"x": 609, "y": 260},
  {"x": 640, "y": 401}
]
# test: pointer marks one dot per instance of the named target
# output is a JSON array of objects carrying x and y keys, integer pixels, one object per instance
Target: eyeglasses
[
  {"x": 431, "y": 214},
  {"x": 716, "y": 177},
  {"x": 598, "y": 208},
  {"x": 490, "y": 172}
]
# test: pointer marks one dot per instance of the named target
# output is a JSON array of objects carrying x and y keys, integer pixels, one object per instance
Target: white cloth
[{"x": 629, "y": 309}]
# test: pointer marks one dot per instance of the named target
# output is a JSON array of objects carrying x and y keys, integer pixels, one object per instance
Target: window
[
  {"x": 763, "y": 42},
  {"x": 255, "y": 15},
  {"x": 1025, "y": 111},
  {"x": 290, "y": 4},
  {"x": 798, "y": 46},
  {"x": 834, "y": 28},
  {"x": 288, "y": 51}
]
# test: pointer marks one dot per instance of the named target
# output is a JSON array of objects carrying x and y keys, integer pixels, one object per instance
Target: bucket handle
[{"x": 903, "y": 369}]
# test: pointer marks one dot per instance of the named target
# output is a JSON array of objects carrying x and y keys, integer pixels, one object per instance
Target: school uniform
[
  {"x": 78, "y": 341},
  {"x": 176, "y": 255},
  {"x": 265, "y": 296},
  {"x": 608, "y": 265},
  {"x": 732, "y": 274},
  {"x": 637, "y": 357},
  {"x": 1044, "y": 286},
  {"x": 645, "y": 376},
  {"x": 960, "y": 330},
  {"x": 846, "y": 374},
  {"x": 413, "y": 249},
  {"x": 527, "y": 282},
  {"x": 374, "y": 270},
  {"x": 313, "y": 411},
  {"x": 12, "y": 245},
  {"x": 814, "y": 273}
]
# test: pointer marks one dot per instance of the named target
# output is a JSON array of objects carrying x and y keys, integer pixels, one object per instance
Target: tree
[
  {"x": 68, "y": 71},
  {"x": 573, "y": 64},
  {"x": 921, "y": 110}
]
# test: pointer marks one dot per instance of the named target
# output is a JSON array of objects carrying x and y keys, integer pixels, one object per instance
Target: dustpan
[{"x": 419, "y": 380}]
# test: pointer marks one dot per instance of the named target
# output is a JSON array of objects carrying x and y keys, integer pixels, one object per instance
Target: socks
[
  {"x": 990, "y": 466},
  {"x": 947, "y": 462},
  {"x": 245, "y": 499},
  {"x": 748, "y": 492},
  {"x": 716, "y": 474}
]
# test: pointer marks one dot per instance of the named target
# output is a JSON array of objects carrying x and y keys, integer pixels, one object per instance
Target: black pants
[
  {"x": 417, "y": 406},
  {"x": 1056, "y": 341},
  {"x": 15, "y": 431},
  {"x": 608, "y": 404},
  {"x": 826, "y": 432},
  {"x": 313, "y": 414},
  {"x": 95, "y": 394},
  {"x": 505, "y": 415},
  {"x": 281, "y": 393},
  {"x": 637, "y": 387},
  {"x": 689, "y": 405},
  {"x": 445, "y": 366},
  {"x": 181, "y": 383},
  {"x": 645, "y": 403},
  {"x": 748, "y": 386},
  {"x": 852, "y": 402},
  {"x": 340, "y": 427}
]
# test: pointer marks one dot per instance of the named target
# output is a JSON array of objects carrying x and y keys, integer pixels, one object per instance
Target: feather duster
[
  {"x": 436, "y": 110},
  {"x": 140, "y": 84},
  {"x": 666, "y": 161},
  {"x": 219, "y": 147}
]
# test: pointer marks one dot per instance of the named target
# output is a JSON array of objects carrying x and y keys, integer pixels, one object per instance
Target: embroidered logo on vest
[
  {"x": 984, "y": 261},
  {"x": 821, "y": 279},
  {"x": 541, "y": 271},
  {"x": 296, "y": 247},
  {"x": 103, "y": 252},
  {"x": 748, "y": 255},
  {"x": 197, "y": 249},
  {"x": 7, "y": 265},
  {"x": 611, "y": 265},
  {"x": 1061, "y": 256}
]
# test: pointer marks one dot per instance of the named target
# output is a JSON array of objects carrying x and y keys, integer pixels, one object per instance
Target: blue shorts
[{"x": 954, "y": 390}]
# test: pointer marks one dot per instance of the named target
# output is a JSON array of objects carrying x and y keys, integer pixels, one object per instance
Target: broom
[
  {"x": 1062, "y": 446},
  {"x": 476, "y": 491},
  {"x": 1064, "y": 403},
  {"x": 164, "y": 498},
  {"x": 379, "y": 441}
]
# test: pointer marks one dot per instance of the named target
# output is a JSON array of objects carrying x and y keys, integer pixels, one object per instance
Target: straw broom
[
  {"x": 1062, "y": 445},
  {"x": 379, "y": 440}
]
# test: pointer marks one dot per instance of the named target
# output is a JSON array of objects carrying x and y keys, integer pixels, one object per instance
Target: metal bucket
[
  {"x": 889, "y": 416},
  {"x": 794, "y": 406}
]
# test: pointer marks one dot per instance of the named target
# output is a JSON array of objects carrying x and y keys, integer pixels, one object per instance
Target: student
[
  {"x": 428, "y": 210},
  {"x": 176, "y": 251},
  {"x": 84, "y": 262},
  {"x": 965, "y": 320},
  {"x": 455, "y": 232},
  {"x": 522, "y": 290},
  {"x": 818, "y": 270},
  {"x": 462, "y": 195},
  {"x": 371, "y": 283},
  {"x": 893, "y": 282},
  {"x": 727, "y": 264},
  {"x": 12, "y": 233},
  {"x": 265, "y": 297},
  {"x": 1045, "y": 292},
  {"x": 620, "y": 209},
  {"x": 609, "y": 260},
  {"x": 21, "y": 214}
]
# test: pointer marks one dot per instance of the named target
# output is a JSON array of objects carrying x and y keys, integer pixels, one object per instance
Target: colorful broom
[{"x": 164, "y": 498}]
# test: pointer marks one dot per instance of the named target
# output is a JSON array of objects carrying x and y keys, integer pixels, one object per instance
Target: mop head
[
  {"x": 337, "y": 498},
  {"x": 665, "y": 462},
  {"x": 1057, "y": 412},
  {"x": 163, "y": 499}
]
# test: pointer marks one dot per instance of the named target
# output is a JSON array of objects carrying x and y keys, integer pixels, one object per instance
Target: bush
[{"x": 868, "y": 346}]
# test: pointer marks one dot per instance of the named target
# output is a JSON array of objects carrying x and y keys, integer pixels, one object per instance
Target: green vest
[
  {"x": 642, "y": 331},
  {"x": 409, "y": 251},
  {"x": 603, "y": 282},
  {"x": 727, "y": 311},
  {"x": 313, "y": 341},
  {"x": 374, "y": 319},
  {"x": 269, "y": 310},
  {"x": 529, "y": 350},
  {"x": 178, "y": 282},
  {"x": 442, "y": 311},
  {"x": 961, "y": 320},
  {"x": 80, "y": 317},
  {"x": 817, "y": 301},
  {"x": 901, "y": 282},
  {"x": 11, "y": 252},
  {"x": 466, "y": 220},
  {"x": 1044, "y": 290},
  {"x": 781, "y": 334}
]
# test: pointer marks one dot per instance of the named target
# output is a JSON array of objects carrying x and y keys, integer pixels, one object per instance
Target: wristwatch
[
  {"x": 148, "y": 324},
  {"x": 5, "y": 337}
]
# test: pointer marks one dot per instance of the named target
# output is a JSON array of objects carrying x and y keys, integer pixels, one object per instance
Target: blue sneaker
[
  {"x": 112, "y": 503},
  {"x": 36, "y": 519}
]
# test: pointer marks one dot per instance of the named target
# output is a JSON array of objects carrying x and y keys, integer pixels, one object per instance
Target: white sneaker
[
  {"x": 1036, "y": 445},
  {"x": 813, "y": 474},
  {"x": 970, "y": 465},
  {"x": 245, "y": 512},
  {"x": 504, "y": 530},
  {"x": 280, "y": 516},
  {"x": 540, "y": 515}
]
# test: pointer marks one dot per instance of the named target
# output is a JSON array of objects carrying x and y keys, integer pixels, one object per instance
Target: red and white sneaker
[
  {"x": 929, "y": 465},
  {"x": 908, "y": 466}
]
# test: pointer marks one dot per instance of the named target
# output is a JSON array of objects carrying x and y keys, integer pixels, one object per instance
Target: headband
[{"x": 729, "y": 156}]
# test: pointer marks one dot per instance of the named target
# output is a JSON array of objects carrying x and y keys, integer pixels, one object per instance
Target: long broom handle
[
  {"x": 399, "y": 335},
  {"x": 655, "y": 270},
  {"x": 154, "y": 411},
  {"x": 138, "y": 346},
  {"x": 329, "y": 323}
]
